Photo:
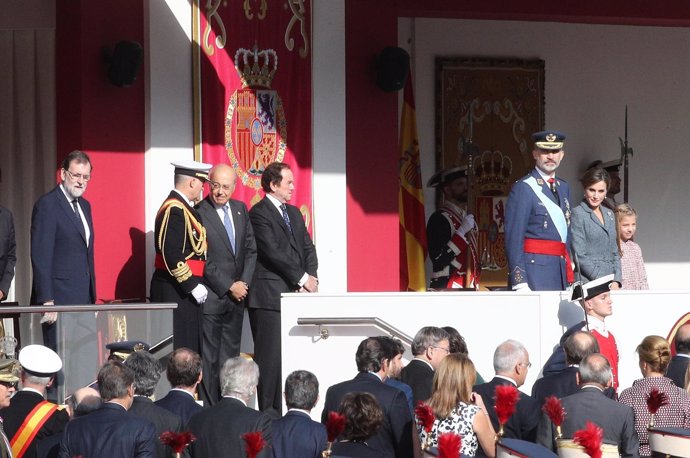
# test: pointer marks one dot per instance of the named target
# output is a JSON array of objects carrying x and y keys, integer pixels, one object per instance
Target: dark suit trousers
[
  {"x": 221, "y": 335},
  {"x": 265, "y": 326}
]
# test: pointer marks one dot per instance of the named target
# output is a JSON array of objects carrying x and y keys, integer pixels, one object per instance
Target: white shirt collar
[
  {"x": 599, "y": 325},
  {"x": 275, "y": 201},
  {"x": 235, "y": 397},
  {"x": 183, "y": 391},
  {"x": 543, "y": 175},
  {"x": 33, "y": 391},
  {"x": 506, "y": 378},
  {"x": 189, "y": 202},
  {"x": 416, "y": 358}
]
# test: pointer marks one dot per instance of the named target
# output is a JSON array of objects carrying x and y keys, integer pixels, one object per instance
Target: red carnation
[
  {"x": 655, "y": 400},
  {"x": 554, "y": 410},
  {"x": 335, "y": 425},
  {"x": 590, "y": 439},
  {"x": 425, "y": 416},
  {"x": 506, "y": 397},
  {"x": 449, "y": 445},
  {"x": 254, "y": 443},
  {"x": 177, "y": 441}
]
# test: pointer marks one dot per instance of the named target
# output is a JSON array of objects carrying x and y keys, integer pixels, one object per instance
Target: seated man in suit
[
  {"x": 394, "y": 439},
  {"x": 111, "y": 430},
  {"x": 39, "y": 366},
  {"x": 590, "y": 404},
  {"x": 147, "y": 372},
  {"x": 296, "y": 434},
  {"x": 219, "y": 429},
  {"x": 561, "y": 384},
  {"x": 184, "y": 374},
  {"x": 511, "y": 363},
  {"x": 679, "y": 363},
  {"x": 429, "y": 347}
]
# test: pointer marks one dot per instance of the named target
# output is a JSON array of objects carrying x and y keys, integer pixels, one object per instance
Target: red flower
[
  {"x": 253, "y": 443},
  {"x": 554, "y": 410},
  {"x": 590, "y": 439},
  {"x": 655, "y": 400},
  {"x": 449, "y": 445},
  {"x": 506, "y": 397},
  {"x": 177, "y": 441},
  {"x": 425, "y": 416},
  {"x": 335, "y": 425}
]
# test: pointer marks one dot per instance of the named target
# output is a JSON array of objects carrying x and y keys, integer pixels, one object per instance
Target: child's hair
[{"x": 623, "y": 210}]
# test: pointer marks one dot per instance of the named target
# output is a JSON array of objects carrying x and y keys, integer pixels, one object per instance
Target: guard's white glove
[
  {"x": 200, "y": 293},
  {"x": 524, "y": 287},
  {"x": 467, "y": 225}
]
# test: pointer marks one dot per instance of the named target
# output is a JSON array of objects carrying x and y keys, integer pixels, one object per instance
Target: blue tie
[
  {"x": 283, "y": 209},
  {"x": 228, "y": 227}
]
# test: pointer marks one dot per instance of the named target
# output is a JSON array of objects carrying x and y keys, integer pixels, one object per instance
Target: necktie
[
  {"x": 283, "y": 209},
  {"x": 552, "y": 185},
  {"x": 228, "y": 227},
  {"x": 75, "y": 205}
]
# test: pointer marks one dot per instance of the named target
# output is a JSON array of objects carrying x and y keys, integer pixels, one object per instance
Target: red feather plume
[
  {"x": 655, "y": 400},
  {"x": 590, "y": 439},
  {"x": 554, "y": 410},
  {"x": 425, "y": 416},
  {"x": 506, "y": 397},
  {"x": 335, "y": 425},
  {"x": 253, "y": 443},
  {"x": 177, "y": 441},
  {"x": 449, "y": 445}
]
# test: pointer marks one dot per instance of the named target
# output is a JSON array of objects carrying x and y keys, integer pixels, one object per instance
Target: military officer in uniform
[
  {"x": 537, "y": 223},
  {"x": 180, "y": 240},
  {"x": 450, "y": 233}
]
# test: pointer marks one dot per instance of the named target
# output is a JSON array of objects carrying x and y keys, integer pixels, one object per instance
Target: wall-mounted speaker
[
  {"x": 392, "y": 67},
  {"x": 124, "y": 63}
]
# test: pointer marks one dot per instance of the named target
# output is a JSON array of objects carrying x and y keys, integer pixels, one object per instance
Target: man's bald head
[
  {"x": 683, "y": 339},
  {"x": 579, "y": 345},
  {"x": 84, "y": 401},
  {"x": 595, "y": 370},
  {"x": 222, "y": 181}
]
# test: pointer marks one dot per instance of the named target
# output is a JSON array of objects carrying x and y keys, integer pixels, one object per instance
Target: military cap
[
  {"x": 39, "y": 360},
  {"x": 192, "y": 168},
  {"x": 445, "y": 176},
  {"x": 550, "y": 140},
  {"x": 8, "y": 370},
  {"x": 519, "y": 448},
  {"x": 593, "y": 288},
  {"x": 123, "y": 349}
]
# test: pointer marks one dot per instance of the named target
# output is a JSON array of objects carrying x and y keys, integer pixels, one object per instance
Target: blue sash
[{"x": 554, "y": 211}]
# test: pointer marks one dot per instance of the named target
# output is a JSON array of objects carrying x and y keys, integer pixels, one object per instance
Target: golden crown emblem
[
  {"x": 256, "y": 68},
  {"x": 492, "y": 173}
]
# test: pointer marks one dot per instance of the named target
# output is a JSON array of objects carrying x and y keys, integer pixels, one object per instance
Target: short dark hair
[
  {"x": 371, "y": 353},
  {"x": 682, "y": 345},
  {"x": 273, "y": 174},
  {"x": 184, "y": 367},
  {"x": 578, "y": 345},
  {"x": 147, "y": 372},
  {"x": 301, "y": 390},
  {"x": 77, "y": 156},
  {"x": 426, "y": 337},
  {"x": 114, "y": 379},
  {"x": 456, "y": 343},
  {"x": 594, "y": 176},
  {"x": 363, "y": 416}
]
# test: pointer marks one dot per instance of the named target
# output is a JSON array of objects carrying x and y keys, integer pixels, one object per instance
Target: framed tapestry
[{"x": 486, "y": 111}]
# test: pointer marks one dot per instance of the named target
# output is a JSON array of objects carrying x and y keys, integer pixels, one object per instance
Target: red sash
[{"x": 551, "y": 248}]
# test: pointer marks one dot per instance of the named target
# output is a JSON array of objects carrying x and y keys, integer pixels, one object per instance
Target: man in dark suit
[
  {"x": 511, "y": 363},
  {"x": 219, "y": 429},
  {"x": 8, "y": 256},
  {"x": 394, "y": 438},
  {"x": 147, "y": 372},
  {"x": 429, "y": 346},
  {"x": 180, "y": 240},
  {"x": 537, "y": 222},
  {"x": 590, "y": 404},
  {"x": 561, "y": 384},
  {"x": 286, "y": 262},
  {"x": 296, "y": 434},
  {"x": 184, "y": 374},
  {"x": 62, "y": 238},
  {"x": 678, "y": 366},
  {"x": 230, "y": 262},
  {"x": 39, "y": 366},
  {"x": 111, "y": 430}
]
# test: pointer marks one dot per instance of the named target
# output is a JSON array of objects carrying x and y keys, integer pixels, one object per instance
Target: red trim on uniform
[
  {"x": 195, "y": 265},
  {"x": 551, "y": 248}
]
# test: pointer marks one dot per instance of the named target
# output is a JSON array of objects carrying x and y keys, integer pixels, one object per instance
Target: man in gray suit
[
  {"x": 230, "y": 262},
  {"x": 591, "y": 404}
]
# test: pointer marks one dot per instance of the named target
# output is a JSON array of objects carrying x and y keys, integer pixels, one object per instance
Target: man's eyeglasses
[
  {"x": 77, "y": 176},
  {"x": 528, "y": 364},
  {"x": 442, "y": 348},
  {"x": 216, "y": 186},
  {"x": 9, "y": 384}
]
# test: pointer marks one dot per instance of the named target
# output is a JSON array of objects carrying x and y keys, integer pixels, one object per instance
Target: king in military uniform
[
  {"x": 180, "y": 240},
  {"x": 450, "y": 233},
  {"x": 537, "y": 223}
]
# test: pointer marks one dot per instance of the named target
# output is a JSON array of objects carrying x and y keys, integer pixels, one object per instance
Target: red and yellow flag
[{"x": 411, "y": 200}]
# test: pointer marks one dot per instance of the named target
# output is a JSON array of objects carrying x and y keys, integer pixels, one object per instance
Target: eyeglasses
[
  {"x": 77, "y": 176},
  {"x": 9, "y": 384},
  {"x": 527, "y": 364},
  {"x": 216, "y": 186},
  {"x": 441, "y": 348}
]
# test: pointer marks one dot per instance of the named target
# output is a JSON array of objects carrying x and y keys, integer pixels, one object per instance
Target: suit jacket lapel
[
  {"x": 278, "y": 217},
  {"x": 238, "y": 220},
  {"x": 217, "y": 225}
]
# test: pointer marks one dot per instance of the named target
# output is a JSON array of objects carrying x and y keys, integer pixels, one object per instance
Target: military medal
[
  {"x": 540, "y": 182},
  {"x": 567, "y": 212}
]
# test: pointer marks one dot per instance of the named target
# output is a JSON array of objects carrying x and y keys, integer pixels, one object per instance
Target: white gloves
[
  {"x": 524, "y": 287},
  {"x": 467, "y": 225},
  {"x": 200, "y": 293}
]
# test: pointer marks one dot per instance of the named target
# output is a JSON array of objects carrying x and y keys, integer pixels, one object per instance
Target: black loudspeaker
[
  {"x": 124, "y": 63},
  {"x": 392, "y": 66}
]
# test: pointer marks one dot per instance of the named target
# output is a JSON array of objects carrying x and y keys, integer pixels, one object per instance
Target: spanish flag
[{"x": 411, "y": 200}]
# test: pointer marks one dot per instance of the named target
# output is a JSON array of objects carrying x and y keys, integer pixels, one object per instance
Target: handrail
[
  {"x": 341, "y": 321},
  {"x": 88, "y": 307}
]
